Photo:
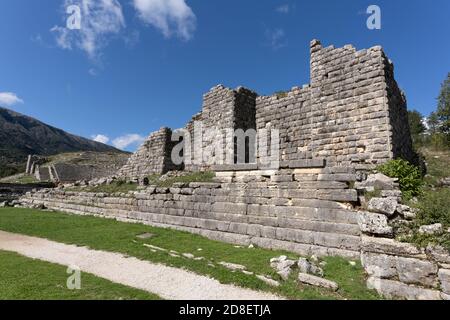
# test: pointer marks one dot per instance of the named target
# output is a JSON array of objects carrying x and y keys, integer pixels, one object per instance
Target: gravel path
[{"x": 167, "y": 282}]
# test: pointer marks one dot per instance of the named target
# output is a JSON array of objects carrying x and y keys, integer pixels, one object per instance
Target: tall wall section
[
  {"x": 224, "y": 110},
  {"x": 153, "y": 157},
  {"x": 351, "y": 113}
]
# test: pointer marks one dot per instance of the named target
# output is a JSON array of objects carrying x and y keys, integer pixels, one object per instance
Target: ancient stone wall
[
  {"x": 351, "y": 113},
  {"x": 153, "y": 157},
  {"x": 301, "y": 210},
  {"x": 400, "y": 270},
  {"x": 224, "y": 111}
]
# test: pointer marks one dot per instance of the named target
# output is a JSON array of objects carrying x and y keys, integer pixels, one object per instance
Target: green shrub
[{"x": 408, "y": 175}]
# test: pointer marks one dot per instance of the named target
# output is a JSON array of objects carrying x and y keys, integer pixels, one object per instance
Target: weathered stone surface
[
  {"x": 283, "y": 266},
  {"x": 307, "y": 163},
  {"x": 373, "y": 223},
  {"x": 438, "y": 253},
  {"x": 391, "y": 194},
  {"x": 269, "y": 281},
  {"x": 377, "y": 181},
  {"x": 305, "y": 266},
  {"x": 317, "y": 281},
  {"x": 232, "y": 266},
  {"x": 379, "y": 265},
  {"x": 395, "y": 289},
  {"x": 445, "y": 296},
  {"x": 444, "y": 278},
  {"x": 414, "y": 271},
  {"x": 390, "y": 246},
  {"x": 386, "y": 206},
  {"x": 431, "y": 229}
]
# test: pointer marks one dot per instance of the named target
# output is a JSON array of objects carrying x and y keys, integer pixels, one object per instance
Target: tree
[
  {"x": 416, "y": 125},
  {"x": 433, "y": 123},
  {"x": 443, "y": 110}
]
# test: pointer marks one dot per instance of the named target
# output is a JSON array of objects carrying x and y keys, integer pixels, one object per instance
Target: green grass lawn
[
  {"x": 23, "y": 278},
  {"x": 21, "y": 179},
  {"x": 114, "y": 236}
]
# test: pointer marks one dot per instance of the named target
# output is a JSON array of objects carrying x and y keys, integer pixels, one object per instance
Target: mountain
[{"x": 21, "y": 135}]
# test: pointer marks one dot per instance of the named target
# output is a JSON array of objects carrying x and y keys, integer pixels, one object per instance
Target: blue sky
[{"x": 138, "y": 65}]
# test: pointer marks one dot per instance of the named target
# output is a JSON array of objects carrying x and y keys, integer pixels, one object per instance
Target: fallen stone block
[
  {"x": 390, "y": 246},
  {"x": 268, "y": 281},
  {"x": 305, "y": 266},
  {"x": 317, "y": 281},
  {"x": 386, "y": 206},
  {"x": 377, "y": 181},
  {"x": 283, "y": 266},
  {"x": 232, "y": 266},
  {"x": 374, "y": 223},
  {"x": 431, "y": 229}
]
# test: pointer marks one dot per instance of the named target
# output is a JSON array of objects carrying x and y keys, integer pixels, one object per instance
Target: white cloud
[
  {"x": 9, "y": 99},
  {"x": 285, "y": 8},
  {"x": 127, "y": 140},
  {"x": 169, "y": 16},
  {"x": 100, "y": 19},
  {"x": 275, "y": 38},
  {"x": 100, "y": 138}
]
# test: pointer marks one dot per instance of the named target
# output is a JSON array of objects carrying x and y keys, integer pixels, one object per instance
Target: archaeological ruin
[{"x": 329, "y": 135}]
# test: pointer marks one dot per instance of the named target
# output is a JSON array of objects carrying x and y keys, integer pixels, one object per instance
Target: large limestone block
[
  {"x": 395, "y": 289},
  {"x": 379, "y": 265},
  {"x": 390, "y": 246},
  {"x": 317, "y": 281},
  {"x": 374, "y": 223},
  {"x": 385, "y": 206},
  {"x": 415, "y": 271}
]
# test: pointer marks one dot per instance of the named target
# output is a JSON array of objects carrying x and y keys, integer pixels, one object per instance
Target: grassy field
[
  {"x": 110, "y": 235},
  {"x": 27, "y": 279},
  {"x": 20, "y": 179}
]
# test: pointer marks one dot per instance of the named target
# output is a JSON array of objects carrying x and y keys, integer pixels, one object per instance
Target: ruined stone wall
[
  {"x": 153, "y": 157},
  {"x": 401, "y": 270},
  {"x": 351, "y": 113},
  {"x": 347, "y": 114},
  {"x": 224, "y": 110},
  {"x": 303, "y": 210},
  {"x": 401, "y": 140}
]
